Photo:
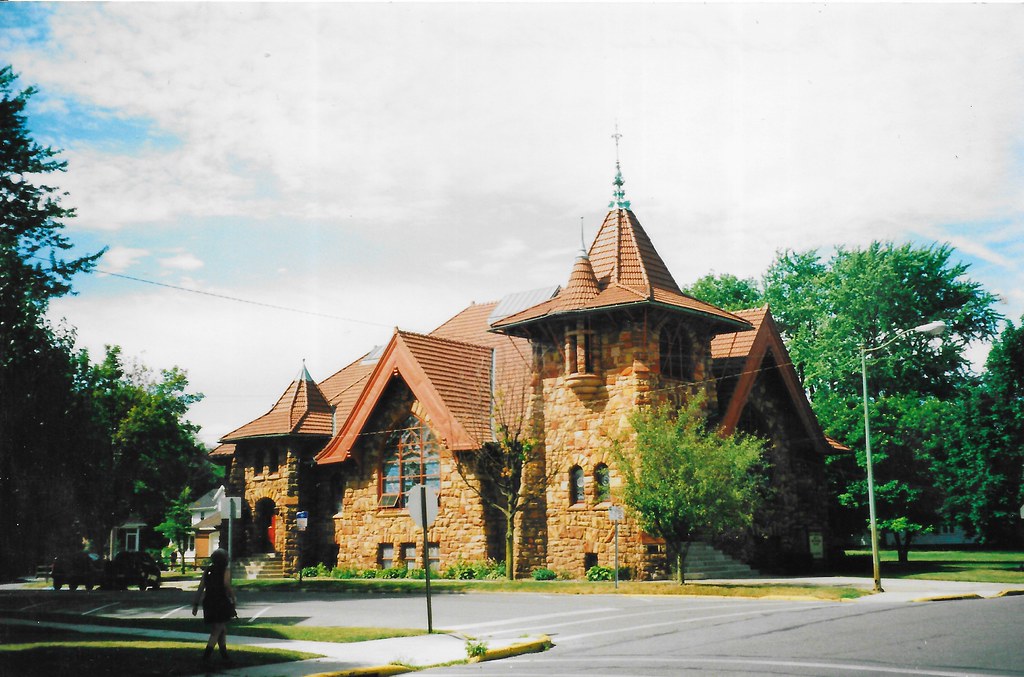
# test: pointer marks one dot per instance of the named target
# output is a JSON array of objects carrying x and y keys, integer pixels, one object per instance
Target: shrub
[
  {"x": 419, "y": 574},
  {"x": 309, "y": 572},
  {"x": 392, "y": 573},
  {"x": 344, "y": 572},
  {"x": 599, "y": 573},
  {"x": 543, "y": 574},
  {"x": 460, "y": 569},
  {"x": 369, "y": 573}
]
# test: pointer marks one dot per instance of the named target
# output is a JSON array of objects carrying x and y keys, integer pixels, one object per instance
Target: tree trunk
[
  {"x": 510, "y": 571},
  {"x": 903, "y": 546},
  {"x": 681, "y": 553}
]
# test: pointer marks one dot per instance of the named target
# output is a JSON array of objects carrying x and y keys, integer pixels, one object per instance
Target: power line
[{"x": 236, "y": 299}]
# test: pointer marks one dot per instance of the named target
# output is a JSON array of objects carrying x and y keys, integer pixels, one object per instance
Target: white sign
[
  {"x": 414, "y": 501},
  {"x": 1022, "y": 512},
  {"x": 616, "y": 513},
  {"x": 301, "y": 520}
]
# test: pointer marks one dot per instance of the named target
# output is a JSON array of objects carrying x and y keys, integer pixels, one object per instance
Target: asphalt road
[{"x": 598, "y": 635}]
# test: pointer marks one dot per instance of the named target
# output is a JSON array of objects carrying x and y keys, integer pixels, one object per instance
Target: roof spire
[
  {"x": 583, "y": 242},
  {"x": 618, "y": 195}
]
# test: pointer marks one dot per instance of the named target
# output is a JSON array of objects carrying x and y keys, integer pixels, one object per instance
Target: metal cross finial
[{"x": 619, "y": 200}]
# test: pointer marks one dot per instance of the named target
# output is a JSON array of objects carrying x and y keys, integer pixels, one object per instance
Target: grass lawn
[
  {"x": 49, "y": 651},
  {"x": 311, "y": 633},
  {"x": 980, "y": 566},
  {"x": 416, "y": 587}
]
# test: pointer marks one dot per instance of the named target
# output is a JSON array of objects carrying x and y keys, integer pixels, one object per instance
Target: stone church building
[{"x": 566, "y": 365}]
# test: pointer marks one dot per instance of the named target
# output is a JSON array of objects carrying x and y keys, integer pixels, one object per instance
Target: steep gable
[
  {"x": 451, "y": 380},
  {"x": 743, "y": 355}
]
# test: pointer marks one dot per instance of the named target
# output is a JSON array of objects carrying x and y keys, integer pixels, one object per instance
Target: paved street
[{"x": 598, "y": 635}]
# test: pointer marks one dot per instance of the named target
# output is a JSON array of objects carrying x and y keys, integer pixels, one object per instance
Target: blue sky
[{"x": 380, "y": 164}]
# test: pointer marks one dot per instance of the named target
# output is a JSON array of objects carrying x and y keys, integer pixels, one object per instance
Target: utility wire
[{"x": 226, "y": 297}]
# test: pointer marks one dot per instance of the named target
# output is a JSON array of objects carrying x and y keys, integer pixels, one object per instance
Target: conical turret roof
[{"x": 301, "y": 410}]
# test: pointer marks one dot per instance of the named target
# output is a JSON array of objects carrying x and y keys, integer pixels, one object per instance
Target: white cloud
[
  {"x": 119, "y": 259},
  {"x": 445, "y": 152},
  {"x": 182, "y": 261}
]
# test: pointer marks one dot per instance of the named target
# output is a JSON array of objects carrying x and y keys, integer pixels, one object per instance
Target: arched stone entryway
[{"x": 265, "y": 525}]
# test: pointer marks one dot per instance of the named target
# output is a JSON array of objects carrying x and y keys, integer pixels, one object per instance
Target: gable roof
[
  {"x": 625, "y": 269},
  {"x": 301, "y": 410},
  {"x": 751, "y": 349},
  {"x": 451, "y": 379}
]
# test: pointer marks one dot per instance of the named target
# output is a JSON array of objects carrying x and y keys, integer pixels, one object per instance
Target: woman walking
[{"x": 218, "y": 600}]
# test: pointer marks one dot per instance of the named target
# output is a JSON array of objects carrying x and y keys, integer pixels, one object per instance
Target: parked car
[
  {"x": 133, "y": 568},
  {"x": 84, "y": 569}
]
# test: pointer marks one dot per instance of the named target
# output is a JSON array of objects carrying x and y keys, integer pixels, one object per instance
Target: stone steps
[
  {"x": 269, "y": 565},
  {"x": 704, "y": 562}
]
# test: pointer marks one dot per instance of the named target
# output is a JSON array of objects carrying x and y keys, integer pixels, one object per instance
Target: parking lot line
[
  {"x": 99, "y": 608},
  {"x": 258, "y": 614},
  {"x": 172, "y": 612}
]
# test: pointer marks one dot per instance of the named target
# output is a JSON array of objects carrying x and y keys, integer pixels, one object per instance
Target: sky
[{"x": 318, "y": 174}]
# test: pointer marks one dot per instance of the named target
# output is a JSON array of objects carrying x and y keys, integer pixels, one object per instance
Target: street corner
[{"x": 531, "y": 645}]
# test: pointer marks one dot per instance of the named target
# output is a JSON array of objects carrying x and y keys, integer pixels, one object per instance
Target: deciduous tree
[{"x": 682, "y": 481}]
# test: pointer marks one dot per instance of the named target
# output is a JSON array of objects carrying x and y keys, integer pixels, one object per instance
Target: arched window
[
  {"x": 411, "y": 457},
  {"x": 602, "y": 484},
  {"x": 676, "y": 351},
  {"x": 576, "y": 485}
]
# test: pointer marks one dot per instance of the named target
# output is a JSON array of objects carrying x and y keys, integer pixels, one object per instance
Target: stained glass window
[{"x": 411, "y": 458}]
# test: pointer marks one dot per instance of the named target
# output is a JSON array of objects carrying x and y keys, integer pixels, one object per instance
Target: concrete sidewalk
[
  {"x": 375, "y": 657},
  {"x": 897, "y": 590}
]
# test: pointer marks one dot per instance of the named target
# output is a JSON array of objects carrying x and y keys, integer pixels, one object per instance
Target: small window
[
  {"x": 272, "y": 462},
  {"x": 602, "y": 484},
  {"x": 575, "y": 485},
  {"x": 386, "y": 555},
  {"x": 389, "y": 500},
  {"x": 409, "y": 555}
]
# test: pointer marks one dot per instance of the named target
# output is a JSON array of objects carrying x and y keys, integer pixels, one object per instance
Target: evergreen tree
[{"x": 37, "y": 410}]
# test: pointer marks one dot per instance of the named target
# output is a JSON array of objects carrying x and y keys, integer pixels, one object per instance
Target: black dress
[{"x": 217, "y": 608}]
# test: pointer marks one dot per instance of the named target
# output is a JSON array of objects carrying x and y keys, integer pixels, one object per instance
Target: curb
[
  {"x": 542, "y": 643},
  {"x": 1009, "y": 593},
  {"x": 378, "y": 671},
  {"x": 947, "y": 598}
]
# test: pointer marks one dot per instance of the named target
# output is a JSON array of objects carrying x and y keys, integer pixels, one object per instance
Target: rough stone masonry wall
[
  {"x": 580, "y": 429},
  {"x": 362, "y": 526},
  {"x": 280, "y": 485}
]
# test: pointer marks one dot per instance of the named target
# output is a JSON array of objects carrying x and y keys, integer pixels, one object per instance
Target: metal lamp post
[{"x": 931, "y": 329}]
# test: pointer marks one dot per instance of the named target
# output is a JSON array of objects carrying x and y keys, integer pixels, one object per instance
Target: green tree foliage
[
  {"x": 682, "y": 481},
  {"x": 144, "y": 452},
  {"x": 983, "y": 472},
  {"x": 727, "y": 291},
  {"x": 177, "y": 524},
  {"x": 38, "y": 414},
  {"x": 828, "y": 310}
]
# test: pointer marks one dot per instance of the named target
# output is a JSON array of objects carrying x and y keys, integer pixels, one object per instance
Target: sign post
[
  {"x": 232, "y": 507},
  {"x": 422, "y": 504},
  {"x": 616, "y": 514}
]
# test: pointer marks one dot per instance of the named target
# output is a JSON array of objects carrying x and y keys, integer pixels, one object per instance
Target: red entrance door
[{"x": 272, "y": 532}]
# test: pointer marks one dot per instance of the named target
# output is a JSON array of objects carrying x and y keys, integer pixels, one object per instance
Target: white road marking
[
  {"x": 258, "y": 614},
  {"x": 531, "y": 618},
  {"x": 99, "y": 608},
  {"x": 171, "y": 612},
  {"x": 683, "y": 621}
]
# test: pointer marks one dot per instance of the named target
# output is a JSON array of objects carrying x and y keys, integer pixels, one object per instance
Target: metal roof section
[
  {"x": 372, "y": 356},
  {"x": 520, "y": 301}
]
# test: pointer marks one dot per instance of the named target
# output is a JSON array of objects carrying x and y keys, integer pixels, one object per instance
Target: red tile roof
[
  {"x": 626, "y": 269},
  {"x": 301, "y": 410},
  {"x": 738, "y": 344}
]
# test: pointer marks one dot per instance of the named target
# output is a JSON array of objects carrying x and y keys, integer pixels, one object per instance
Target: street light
[{"x": 931, "y": 329}]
